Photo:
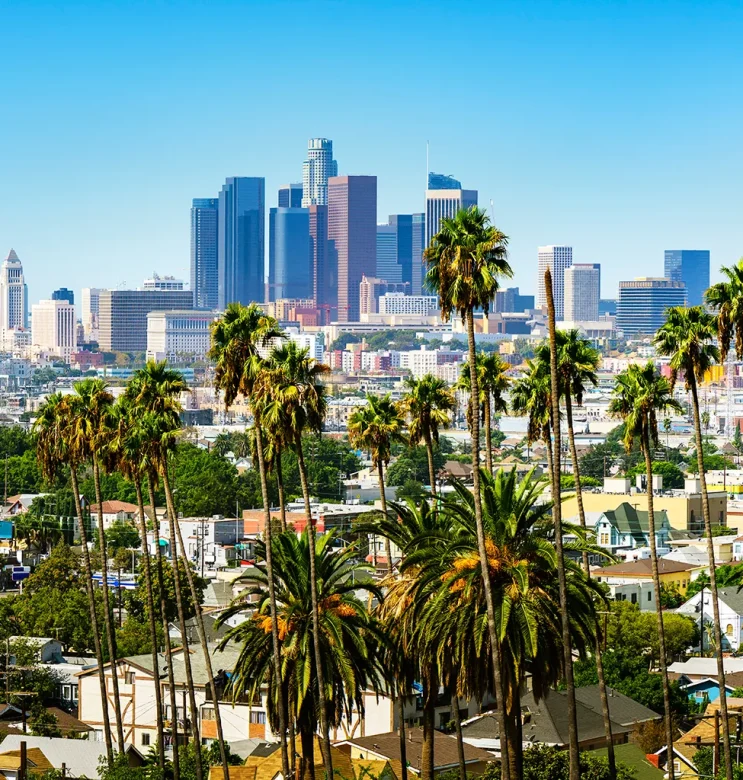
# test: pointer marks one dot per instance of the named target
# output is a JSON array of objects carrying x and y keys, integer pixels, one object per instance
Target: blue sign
[
  {"x": 20, "y": 573},
  {"x": 6, "y": 529}
]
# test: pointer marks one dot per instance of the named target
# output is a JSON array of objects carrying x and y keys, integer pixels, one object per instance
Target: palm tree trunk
[
  {"x": 487, "y": 585},
  {"x": 280, "y": 488},
  {"x": 430, "y": 694},
  {"x": 587, "y": 570},
  {"x": 460, "y": 741},
  {"x": 431, "y": 468},
  {"x": 658, "y": 607},
  {"x": 153, "y": 624},
  {"x": 488, "y": 436},
  {"x": 557, "y": 516},
  {"x": 172, "y": 521},
  {"x": 307, "y": 740},
  {"x": 712, "y": 580},
  {"x": 202, "y": 635},
  {"x": 110, "y": 636},
  {"x": 93, "y": 616},
  {"x": 272, "y": 594},
  {"x": 548, "y": 442},
  {"x": 387, "y": 545},
  {"x": 322, "y": 694},
  {"x": 401, "y": 733},
  {"x": 166, "y": 632},
  {"x": 292, "y": 732}
]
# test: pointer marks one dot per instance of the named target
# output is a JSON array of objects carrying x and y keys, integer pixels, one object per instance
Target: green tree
[
  {"x": 465, "y": 262},
  {"x": 205, "y": 482},
  {"x": 530, "y": 396},
  {"x": 122, "y": 535},
  {"x": 673, "y": 477},
  {"x": 542, "y": 762},
  {"x": 687, "y": 338}
]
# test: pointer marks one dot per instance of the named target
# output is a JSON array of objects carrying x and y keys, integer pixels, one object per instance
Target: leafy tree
[
  {"x": 137, "y": 601},
  {"x": 343, "y": 340},
  {"x": 122, "y": 535},
  {"x": 673, "y": 477},
  {"x": 670, "y": 597},
  {"x": 728, "y": 576},
  {"x": 15, "y": 440},
  {"x": 134, "y": 637},
  {"x": 567, "y": 482},
  {"x": 204, "y": 482},
  {"x": 411, "y": 489},
  {"x": 413, "y": 464},
  {"x": 550, "y": 762},
  {"x": 43, "y": 723}
]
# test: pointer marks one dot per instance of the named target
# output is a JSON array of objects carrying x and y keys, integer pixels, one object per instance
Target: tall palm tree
[
  {"x": 237, "y": 340},
  {"x": 293, "y": 391},
  {"x": 466, "y": 260},
  {"x": 427, "y": 403},
  {"x": 687, "y": 338},
  {"x": 640, "y": 397},
  {"x": 557, "y": 516},
  {"x": 530, "y": 396},
  {"x": 92, "y": 403},
  {"x": 376, "y": 427},
  {"x": 55, "y": 446},
  {"x": 350, "y": 638},
  {"x": 726, "y": 298}
]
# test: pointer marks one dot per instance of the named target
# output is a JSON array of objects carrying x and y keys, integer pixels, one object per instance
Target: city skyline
[{"x": 116, "y": 194}]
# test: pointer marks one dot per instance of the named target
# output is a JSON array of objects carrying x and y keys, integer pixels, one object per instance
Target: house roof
[
  {"x": 457, "y": 470},
  {"x": 629, "y": 520},
  {"x": 114, "y": 507},
  {"x": 695, "y": 668},
  {"x": 622, "y": 709},
  {"x": 35, "y": 758},
  {"x": 81, "y": 757},
  {"x": 444, "y": 748},
  {"x": 634, "y": 757},
  {"x": 642, "y": 568},
  {"x": 546, "y": 721},
  {"x": 732, "y": 599}
]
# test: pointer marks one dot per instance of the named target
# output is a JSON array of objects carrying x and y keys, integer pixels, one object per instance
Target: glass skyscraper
[
  {"x": 440, "y": 181},
  {"x": 290, "y": 196},
  {"x": 643, "y": 303},
  {"x": 690, "y": 266},
  {"x": 204, "y": 252},
  {"x": 241, "y": 240},
  {"x": 290, "y": 272}
]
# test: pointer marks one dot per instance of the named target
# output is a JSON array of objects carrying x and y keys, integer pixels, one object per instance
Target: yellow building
[{"x": 671, "y": 573}]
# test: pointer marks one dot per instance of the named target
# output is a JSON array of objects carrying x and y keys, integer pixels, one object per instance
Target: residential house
[
  {"x": 730, "y": 603},
  {"x": 632, "y": 580},
  {"x": 627, "y": 528},
  {"x": 202, "y": 536},
  {"x": 116, "y": 511},
  {"x": 45, "y": 651},
  {"x": 386, "y": 747}
]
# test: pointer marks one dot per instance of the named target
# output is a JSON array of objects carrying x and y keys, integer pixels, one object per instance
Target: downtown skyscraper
[
  {"x": 290, "y": 272},
  {"x": 205, "y": 252},
  {"x": 557, "y": 259},
  {"x": 352, "y": 237},
  {"x": 316, "y": 170},
  {"x": 241, "y": 241},
  {"x": 690, "y": 266},
  {"x": 13, "y": 295}
]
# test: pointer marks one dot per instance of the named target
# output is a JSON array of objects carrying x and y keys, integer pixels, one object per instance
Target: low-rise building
[
  {"x": 730, "y": 604},
  {"x": 640, "y": 573},
  {"x": 178, "y": 336}
]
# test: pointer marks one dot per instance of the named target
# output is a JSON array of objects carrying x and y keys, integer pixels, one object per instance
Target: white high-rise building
[
  {"x": 156, "y": 282},
  {"x": 582, "y": 292},
  {"x": 398, "y": 303},
  {"x": 316, "y": 170},
  {"x": 445, "y": 203},
  {"x": 13, "y": 296},
  {"x": 54, "y": 328},
  {"x": 90, "y": 309},
  {"x": 557, "y": 259}
]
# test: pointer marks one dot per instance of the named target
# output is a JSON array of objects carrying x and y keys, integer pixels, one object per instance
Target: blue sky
[{"x": 611, "y": 126}]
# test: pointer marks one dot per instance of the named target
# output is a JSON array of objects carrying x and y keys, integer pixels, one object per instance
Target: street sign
[{"x": 20, "y": 573}]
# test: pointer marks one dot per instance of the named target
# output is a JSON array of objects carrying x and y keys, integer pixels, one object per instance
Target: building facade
[
  {"x": 122, "y": 323},
  {"x": 324, "y": 275},
  {"x": 440, "y": 181},
  {"x": 510, "y": 300},
  {"x": 582, "y": 292},
  {"x": 54, "y": 328},
  {"x": 13, "y": 295},
  {"x": 163, "y": 283},
  {"x": 316, "y": 170},
  {"x": 557, "y": 259},
  {"x": 441, "y": 203},
  {"x": 290, "y": 196},
  {"x": 370, "y": 290},
  {"x": 643, "y": 302},
  {"x": 690, "y": 266},
  {"x": 399, "y": 250},
  {"x": 179, "y": 336},
  {"x": 90, "y": 307},
  {"x": 241, "y": 241},
  {"x": 387, "y": 266},
  {"x": 205, "y": 252},
  {"x": 63, "y": 294},
  {"x": 418, "y": 244},
  {"x": 398, "y": 303},
  {"x": 290, "y": 273},
  {"x": 352, "y": 237}
]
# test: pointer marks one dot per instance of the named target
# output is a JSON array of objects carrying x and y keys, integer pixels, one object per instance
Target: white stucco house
[{"x": 730, "y": 603}]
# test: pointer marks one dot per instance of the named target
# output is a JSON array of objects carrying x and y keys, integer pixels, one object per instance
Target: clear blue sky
[{"x": 615, "y": 127}]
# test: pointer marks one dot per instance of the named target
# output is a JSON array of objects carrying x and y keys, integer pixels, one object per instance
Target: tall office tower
[
  {"x": 690, "y": 266},
  {"x": 642, "y": 304},
  {"x": 442, "y": 203},
  {"x": 324, "y": 276},
  {"x": 242, "y": 240},
  {"x": 63, "y": 294},
  {"x": 289, "y": 261},
  {"x": 352, "y": 237},
  {"x": 204, "y": 252},
  {"x": 13, "y": 295},
  {"x": 316, "y": 170},
  {"x": 557, "y": 259},
  {"x": 54, "y": 328},
  {"x": 440, "y": 181},
  {"x": 122, "y": 319},
  {"x": 582, "y": 292},
  {"x": 418, "y": 239},
  {"x": 290, "y": 196},
  {"x": 89, "y": 305},
  {"x": 511, "y": 301},
  {"x": 162, "y": 283},
  {"x": 387, "y": 265}
]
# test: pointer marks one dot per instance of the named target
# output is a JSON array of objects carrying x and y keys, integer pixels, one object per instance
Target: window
[
  {"x": 129, "y": 678},
  {"x": 729, "y": 629},
  {"x": 633, "y": 598},
  {"x": 145, "y": 739},
  {"x": 257, "y": 717},
  {"x": 207, "y": 713},
  {"x": 650, "y": 595}
]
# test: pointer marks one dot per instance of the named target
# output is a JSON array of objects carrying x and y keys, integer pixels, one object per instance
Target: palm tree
[
  {"x": 557, "y": 516},
  {"x": 640, "y": 396},
  {"x": 726, "y": 298},
  {"x": 427, "y": 404},
  {"x": 376, "y": 427},
  {"x": 237, "y": 339},
  {"x": 92, "y": 405},
  {"x": 667, "y": 429},
  {"x": 686, "y": 337},
  {"x": 55, "y": 446},
  {"x": 294, "y": 393},
  {"x": 465, "y": 260},
  {"x": 530, "y": 396},
  {"x": 350, "y": 639}
]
